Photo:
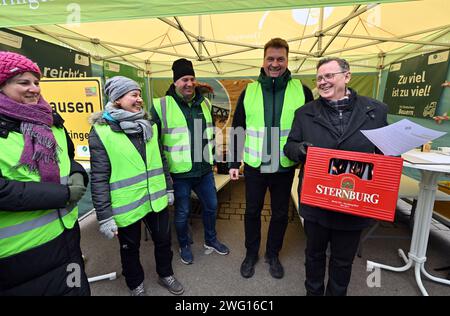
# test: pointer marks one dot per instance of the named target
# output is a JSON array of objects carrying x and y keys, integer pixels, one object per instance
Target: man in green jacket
[
  {"x": 265, "y": 111},
  {"x": 186, "y": 127}
]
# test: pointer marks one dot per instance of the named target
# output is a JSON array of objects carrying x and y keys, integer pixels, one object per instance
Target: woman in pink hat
[{"x": 40, "y": 185}]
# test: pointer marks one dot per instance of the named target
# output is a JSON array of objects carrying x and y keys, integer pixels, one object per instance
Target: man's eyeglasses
[{"x": 328, "y": 76}]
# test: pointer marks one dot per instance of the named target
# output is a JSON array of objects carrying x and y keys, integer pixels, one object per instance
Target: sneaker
[
  {"x": 186, "y": 255},
  {"x": 218, "y": 247},
  {"x": 276, "y": 269},
  {"x": 139, "y": 290},
  {"x": 248, "y": 266},
  {"x": 171, "y": 284}
]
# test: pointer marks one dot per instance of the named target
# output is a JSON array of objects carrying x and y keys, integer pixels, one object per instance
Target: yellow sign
[{"x": 75, "y": 99}]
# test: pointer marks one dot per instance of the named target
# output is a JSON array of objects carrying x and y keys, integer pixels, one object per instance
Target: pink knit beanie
[{"x": 12, "y": 64}]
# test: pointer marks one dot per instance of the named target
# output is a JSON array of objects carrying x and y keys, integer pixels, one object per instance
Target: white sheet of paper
[{"x": 400, "y": 137}]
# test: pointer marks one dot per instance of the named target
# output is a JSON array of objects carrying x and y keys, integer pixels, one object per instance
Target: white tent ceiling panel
[{"x": 231, "y": 44}]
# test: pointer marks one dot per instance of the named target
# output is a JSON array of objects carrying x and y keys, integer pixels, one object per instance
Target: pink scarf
[{"x": 40, "y": 148}]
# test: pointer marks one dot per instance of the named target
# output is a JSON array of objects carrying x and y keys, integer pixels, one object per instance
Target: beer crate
[{"x": 369, "y": 192}]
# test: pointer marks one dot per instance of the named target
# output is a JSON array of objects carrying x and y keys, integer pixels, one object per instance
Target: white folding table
[{"x": 424, "y": 211}]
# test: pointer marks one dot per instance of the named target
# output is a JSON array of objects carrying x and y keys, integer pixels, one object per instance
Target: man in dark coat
[{"x": 335, "y": 121}]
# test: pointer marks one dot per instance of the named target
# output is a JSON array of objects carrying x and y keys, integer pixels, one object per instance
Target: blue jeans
[{"x": 205, "y": 189}]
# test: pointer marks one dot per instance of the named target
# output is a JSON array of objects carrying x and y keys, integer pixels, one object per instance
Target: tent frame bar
[
  {"x": 390, "y": 39},
  {"x": 198, "y": 44}
]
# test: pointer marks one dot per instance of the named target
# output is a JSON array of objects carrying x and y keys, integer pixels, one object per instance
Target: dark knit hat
[
  {"x": 12, "y": 64},
  {"x": 182, "y": 67},
  {"x": 118, "y": 86}
]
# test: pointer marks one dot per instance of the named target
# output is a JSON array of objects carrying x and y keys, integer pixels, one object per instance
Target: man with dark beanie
[
  {"x": 182, "y": 67},
  {"x": 183, "y": 117}
]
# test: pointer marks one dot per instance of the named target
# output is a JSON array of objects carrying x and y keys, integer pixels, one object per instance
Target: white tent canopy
[{"x": 370, "y": 36}]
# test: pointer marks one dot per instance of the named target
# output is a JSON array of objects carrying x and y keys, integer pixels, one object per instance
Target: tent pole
[
  {"x": 78, "y": 48},
  {"x": 123, "y": 58},
  {"x": 200, "y": 35},
  {"x": 255, "y": 46},
  {"x": 103, "y": 43},
  {"x": 302, "y": 53},
  {"x": 231, "y": 53},
  {"x": 140, "y": 50},
  {"x": 187, "y": 37},
  {"x": 351, "y": 16},
  {"x": 381, "y": 57},
  {"x": 363, "y": 66},
  {"x": 318, "y": 41},
  {"x": 200, "y": 57},
  {"x": 329, "y": 28},
  {"x": 425, "y": 50},
  {"x": 37, "y": 28},
  {"x": 201, "y": 44},
  {"x": 304, "y": 59},
  {"x": 160, "y": 52},
  {"x": 167, "y": 21},
  {"x": 390, "y": 39},
  {"x": 238, "y": 64},
  {"x": 238, "y": 70},
  {"x": 403, "y": 56},
  {"x": 379, "y": 42},
  {"x": 232, "y": 43},
  {"x": 341, "y": 27},
  {"x": 319, "y": 33},
  {"x": 300, "y": 38}
]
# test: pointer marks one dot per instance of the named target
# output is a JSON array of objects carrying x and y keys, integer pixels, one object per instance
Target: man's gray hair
[{"x": 343, "y": 64}]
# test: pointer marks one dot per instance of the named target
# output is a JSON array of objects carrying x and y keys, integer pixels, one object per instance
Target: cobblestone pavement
[{"x": 232, "y": 204}]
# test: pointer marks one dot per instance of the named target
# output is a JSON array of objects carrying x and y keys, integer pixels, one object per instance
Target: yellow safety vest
[
  {"x": 255, "y": 125},
  {"x": 175, "y": 133},
  {"x": 137, "y": 187},
  {"x": 21, "y": 231}
]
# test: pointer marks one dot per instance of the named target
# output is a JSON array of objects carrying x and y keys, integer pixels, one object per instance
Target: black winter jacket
[
  {"x": 312, "y": 124},
  {"x": 101, "y": 166},
  {"x": 41, "y": 270}
]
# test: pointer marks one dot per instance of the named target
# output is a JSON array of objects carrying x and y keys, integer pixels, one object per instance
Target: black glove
[
  {"x": 76, "y": 187},
  {"x": 303, "y": 147}
]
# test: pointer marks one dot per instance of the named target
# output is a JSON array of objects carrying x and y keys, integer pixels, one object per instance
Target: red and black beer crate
[{"x": 351, "y": 182}]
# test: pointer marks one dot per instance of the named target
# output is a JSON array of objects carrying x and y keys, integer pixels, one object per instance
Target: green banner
[
  {"x": 414, "y": 85},
  {"x": 39, "y": 12},
  {"x": 53, "y": 60},
  {"x": 111, "y": 69}
]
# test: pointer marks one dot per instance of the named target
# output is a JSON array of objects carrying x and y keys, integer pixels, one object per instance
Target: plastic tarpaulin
[
  {"x": 370, "y": 36},
  {"x": 39, "y": 12}
]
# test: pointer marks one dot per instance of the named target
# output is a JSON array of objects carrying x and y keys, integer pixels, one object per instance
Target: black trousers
[
  {"x": 256, "y": 184},
  {"x": 343, "y": 246},
  {"x": 130, "y": 240}
]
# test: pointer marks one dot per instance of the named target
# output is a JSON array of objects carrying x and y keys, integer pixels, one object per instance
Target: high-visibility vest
[
  {"x": 175, "y": 134},
  {"x": 24, "y": 230},
  {"x": 255, "y": 125},
  {"x": 137, "y": 187}
]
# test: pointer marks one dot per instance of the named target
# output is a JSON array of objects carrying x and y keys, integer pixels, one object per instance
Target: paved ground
[{"x": 215, "y": 275}]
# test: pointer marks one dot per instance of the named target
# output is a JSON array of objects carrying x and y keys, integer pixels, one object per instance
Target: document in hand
[{"x": 400, "y": 137}]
